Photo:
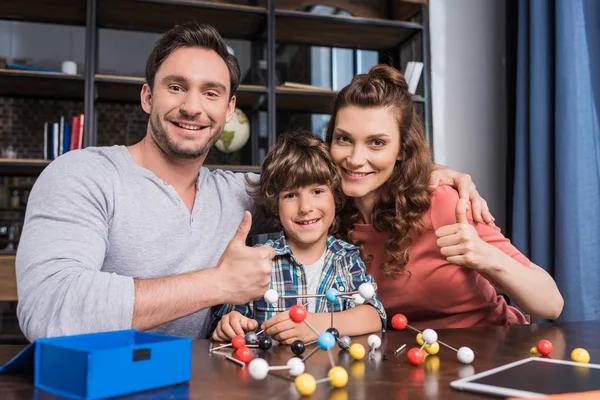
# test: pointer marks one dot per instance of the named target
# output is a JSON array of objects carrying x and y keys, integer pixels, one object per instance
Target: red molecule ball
[
  {"x": 238, "y": 341},
  {"x": 544, "y": 347},
  {"x": 416, "y": 356},
  {"x": 243, "y": 354},
  {"x": 297, "y": 313},
  {"x": 399, "y": 321}
]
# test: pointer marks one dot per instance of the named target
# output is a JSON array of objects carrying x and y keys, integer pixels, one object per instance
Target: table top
[{"x": 383, "y": 376}]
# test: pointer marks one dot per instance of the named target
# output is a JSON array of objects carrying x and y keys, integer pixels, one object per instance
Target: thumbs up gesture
[
  {"x": 244, "y": 273},
  {"x": 460, "y": 243}
]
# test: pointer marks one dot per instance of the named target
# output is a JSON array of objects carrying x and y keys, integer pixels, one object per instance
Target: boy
[{"x": 299, "y": 184}]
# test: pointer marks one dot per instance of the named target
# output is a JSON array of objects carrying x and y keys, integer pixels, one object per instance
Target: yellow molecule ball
[
  {"x": 533, "y": 351},
  {"x": 580, "y": 355},
  {"x": 420, "y": 339},
  {"x": 432, "y": 363},
  {"x": 338, "y": 377},
  {"x": 357, "y": 369},
  {"x": 338, "y": 394},
  {"x": 306, "y": 384},
  {"x": 357, "y": 351},
  {"x": 432, "y": 348}
]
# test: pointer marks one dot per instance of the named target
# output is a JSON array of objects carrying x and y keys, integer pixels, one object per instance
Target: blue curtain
[{"x": 556, "y": 193}]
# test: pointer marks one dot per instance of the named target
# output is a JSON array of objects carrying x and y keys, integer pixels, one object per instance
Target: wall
[{"x": 468, "y": 91}]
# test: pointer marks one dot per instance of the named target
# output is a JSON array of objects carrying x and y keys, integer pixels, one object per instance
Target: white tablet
[{"x": 533, "y": 377}]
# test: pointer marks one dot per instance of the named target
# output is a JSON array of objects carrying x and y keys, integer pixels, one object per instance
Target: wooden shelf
[
  {"x": 341, "y": 31},
  {"x": 303, "y": 100},
  {"x": 232, "y": 21},
  {"x": 127, "y": 89},
  {"x": 33, "y": 167},
  {"x": 22, "y": 167},
  {"x": 66, "y": 12},
  {"x": 310, "y": 101},
  {"x": 8, "y": 279},
  {"x": 21, "y": 83}
]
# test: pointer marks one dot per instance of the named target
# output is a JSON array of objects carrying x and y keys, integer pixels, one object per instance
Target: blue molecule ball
[
  {"x": 332, "y": 295},
  {"x": 326, "y": 341}
]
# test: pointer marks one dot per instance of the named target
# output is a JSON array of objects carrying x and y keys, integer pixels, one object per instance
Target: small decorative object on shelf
[{"x": 235, "y": 136}]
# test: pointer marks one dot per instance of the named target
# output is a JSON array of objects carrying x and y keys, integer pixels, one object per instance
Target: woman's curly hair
[{"x": 405, "y": 197}]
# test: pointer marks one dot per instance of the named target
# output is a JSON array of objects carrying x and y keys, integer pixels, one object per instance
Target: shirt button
[
  {"x": 341, "y": 288},
  {"x": 298, "y": 273}
]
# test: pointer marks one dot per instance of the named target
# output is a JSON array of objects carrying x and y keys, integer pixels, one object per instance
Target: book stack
[
  {"x": 61, "y": 137},
  {"x": 412, "y": 75}
]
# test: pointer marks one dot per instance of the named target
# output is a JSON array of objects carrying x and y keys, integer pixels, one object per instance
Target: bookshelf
[
  {"x": 269, "y": 22},
  {"x": 266, "y": 24}
]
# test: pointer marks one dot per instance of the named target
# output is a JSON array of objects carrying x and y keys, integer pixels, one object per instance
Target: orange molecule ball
[
  {"x": 238, "y": 341},
  {"x": 544, "y": 347},
  {"x": 243, "y": 354},
  {"x": 416, "y": 356},
  {"x": 399, "y": 321},
  {"x": 297, "y": 313}
]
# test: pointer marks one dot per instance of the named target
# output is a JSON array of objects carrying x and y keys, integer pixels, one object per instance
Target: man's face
[{"x": 189, "y": 104}]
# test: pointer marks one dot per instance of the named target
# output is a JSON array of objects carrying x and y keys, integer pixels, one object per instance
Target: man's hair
[
  {"x": 298, "y": 159},
  {"x": 192, "y": 34}
]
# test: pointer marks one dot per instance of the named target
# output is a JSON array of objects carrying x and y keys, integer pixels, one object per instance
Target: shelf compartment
[
  {"x": 232, "y": 21},
  {"x": 342, "y": 31},
  {"x": 66, "y": 12},
  {"x": 127, "y": 89},
  {"x": 19, "y": 83}
]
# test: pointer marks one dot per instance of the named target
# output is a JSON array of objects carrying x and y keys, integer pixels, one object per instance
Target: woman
[{"x": 430, "y": 260}]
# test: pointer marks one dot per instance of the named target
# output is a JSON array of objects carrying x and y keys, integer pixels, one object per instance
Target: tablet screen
[{"x": 545, "y": 377}]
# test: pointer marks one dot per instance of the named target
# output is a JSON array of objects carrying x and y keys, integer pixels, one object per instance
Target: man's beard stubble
[{"x": 165, "y": 143}]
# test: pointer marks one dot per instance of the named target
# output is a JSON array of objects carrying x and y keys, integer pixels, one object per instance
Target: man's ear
[
  {"x": 146, "y": 98},
  {"x": 231, "y": 108}
]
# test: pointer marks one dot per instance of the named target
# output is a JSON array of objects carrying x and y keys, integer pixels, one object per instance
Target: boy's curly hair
[{"x": 298, "y": 159}]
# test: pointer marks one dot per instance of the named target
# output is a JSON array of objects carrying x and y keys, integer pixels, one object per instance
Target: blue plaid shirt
[{"x": 343, "y": 270}]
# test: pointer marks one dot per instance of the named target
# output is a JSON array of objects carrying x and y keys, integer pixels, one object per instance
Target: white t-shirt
[{"x": 312, "y": 273}]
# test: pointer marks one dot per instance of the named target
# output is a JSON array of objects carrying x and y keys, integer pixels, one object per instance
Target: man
[{"x": 143, "y": 236}]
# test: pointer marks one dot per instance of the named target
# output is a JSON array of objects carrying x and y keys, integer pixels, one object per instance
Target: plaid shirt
[{"x": 343, "y": 270}]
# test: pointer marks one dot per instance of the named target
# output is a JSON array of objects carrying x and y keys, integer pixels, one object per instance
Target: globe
[{"x": 235, "y": 134}]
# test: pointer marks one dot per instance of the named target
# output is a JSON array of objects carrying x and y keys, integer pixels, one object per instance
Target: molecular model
[
  {"x": 428, "y": 340},
  {"x": 305, "y": 383},
  {"x": 544, "y": 347}
]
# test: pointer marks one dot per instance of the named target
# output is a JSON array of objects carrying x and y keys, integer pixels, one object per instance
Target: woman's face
[{"x": 365, "y": 147}]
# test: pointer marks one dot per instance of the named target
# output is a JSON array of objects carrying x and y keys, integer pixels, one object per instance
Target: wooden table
[{"x": 384, "y": 377}]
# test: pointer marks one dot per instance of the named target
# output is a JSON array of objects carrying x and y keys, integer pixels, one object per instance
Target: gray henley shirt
[{"x": 96, "y": 220}]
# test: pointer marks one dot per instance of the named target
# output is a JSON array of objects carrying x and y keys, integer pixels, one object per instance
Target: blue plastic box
[{"x": 102, "y": 365}]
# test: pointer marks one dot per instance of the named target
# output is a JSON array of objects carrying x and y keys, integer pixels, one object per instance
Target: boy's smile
[{"x": 306, "y": 214}]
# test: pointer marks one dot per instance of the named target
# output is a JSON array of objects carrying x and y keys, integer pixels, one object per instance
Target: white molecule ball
[
  {"x": 374, "y": 341},
  {"x": 430, "y": 336},
  {"x": 465, "y": 355},
  {"x": 464, "y": 371},
  {"x": 296, "y": 366},
  {"x": 358, "y": 299},
  {"x": 271, "y": 296},
  {"x": 366, "y": 290},
  {"x": 258, "y": 368}
]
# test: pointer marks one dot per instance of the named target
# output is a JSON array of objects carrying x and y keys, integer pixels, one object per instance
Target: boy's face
[{"x": 306, "y": 214}]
